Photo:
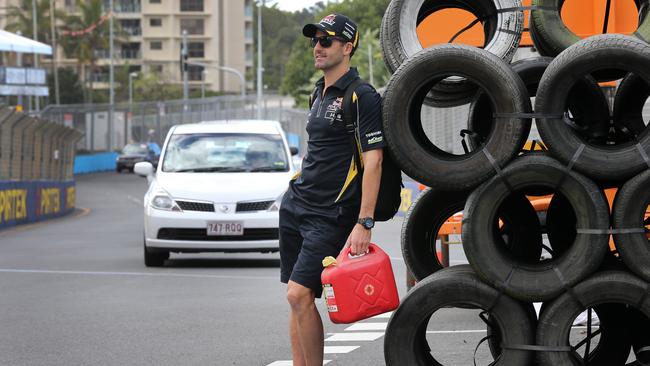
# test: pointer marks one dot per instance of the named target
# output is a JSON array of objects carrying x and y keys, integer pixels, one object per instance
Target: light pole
[
  {"x": 111, "y": 73},
  {"x": 131, "y": 76},
  {"x": 260, "y": 69},
  {"x": 242, "y": 79},
  {"x": 204, "y": 73},
  {"x": 35, "y": 27}
]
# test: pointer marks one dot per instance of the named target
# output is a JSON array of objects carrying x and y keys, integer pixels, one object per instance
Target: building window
[
  {"x": 194, "y": 73},
  {"x": 196, "y": 49},
  {"x": 155, "y": 22},
  {"x": 191, "y": 5},
  {"x": 192, "y": 26},
  {"x": 154, "y": 1},
  {"x": 155, "y": 45}
]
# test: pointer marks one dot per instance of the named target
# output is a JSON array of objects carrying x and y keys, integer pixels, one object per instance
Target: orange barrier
[{"x": 584, "y": 18}]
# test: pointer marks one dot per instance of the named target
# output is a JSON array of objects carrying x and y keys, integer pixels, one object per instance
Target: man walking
[{"x": 324, "y": 208}]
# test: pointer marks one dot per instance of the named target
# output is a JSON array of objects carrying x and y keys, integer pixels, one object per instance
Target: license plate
[{"x": 225, "y": 228}]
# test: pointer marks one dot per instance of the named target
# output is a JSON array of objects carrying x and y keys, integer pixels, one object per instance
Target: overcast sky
[{"x": 293, "y": 5}]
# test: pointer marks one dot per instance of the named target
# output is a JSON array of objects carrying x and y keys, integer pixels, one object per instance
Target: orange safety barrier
[{"x": 584, "y": 18}]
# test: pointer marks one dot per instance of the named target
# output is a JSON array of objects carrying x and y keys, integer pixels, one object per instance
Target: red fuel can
[{"x": 358, "y": 287}]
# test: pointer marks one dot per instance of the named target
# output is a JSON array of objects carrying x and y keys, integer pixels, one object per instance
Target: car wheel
[{"x": 154, "y": 259}]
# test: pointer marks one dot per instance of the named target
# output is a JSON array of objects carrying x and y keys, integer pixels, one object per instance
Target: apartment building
[{"x": 219, "y": 33}]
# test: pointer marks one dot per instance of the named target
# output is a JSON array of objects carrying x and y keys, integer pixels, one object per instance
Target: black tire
[
  {"x": 405, "y": 342},
  {"x": 604, "y": 163},
  {"x": 153, "y": 258},
  {"x": 552, "y": 36},
  {"x": 611, "y": 288},
  {"x": 629, "y": 210},
  {"x": 400, "y": 41},
  {"x": 535, "y": 281},
  {"x": 412, "y": 149},
  {"x": 587, "y": 104},
  {"x": 631, "y": 96},
  {"x": 521, "y": 231}
]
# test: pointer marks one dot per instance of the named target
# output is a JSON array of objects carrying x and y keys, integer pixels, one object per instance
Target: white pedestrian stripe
[
  {"x": 383, "y": 316},
  {"x": 367, "y": 326},
  {"x": 290, "y": 363},
  {"x": 339, "y": 349},
  {"x": 346, "y": 337}
]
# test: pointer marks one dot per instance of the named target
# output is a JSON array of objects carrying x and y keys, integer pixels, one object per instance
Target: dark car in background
[{"x": 135, "y": 153}]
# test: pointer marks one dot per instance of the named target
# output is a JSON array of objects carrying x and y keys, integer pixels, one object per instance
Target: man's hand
[{"x": 359, "y": 240}]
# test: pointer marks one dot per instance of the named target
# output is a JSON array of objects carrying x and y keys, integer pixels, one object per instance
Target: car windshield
[
  {"x": 133, "y": 149},
  {"x": 225, "y": 152}
]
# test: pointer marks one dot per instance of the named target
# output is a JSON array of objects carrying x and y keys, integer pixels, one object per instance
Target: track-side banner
[{"x": 23, "y": 202}]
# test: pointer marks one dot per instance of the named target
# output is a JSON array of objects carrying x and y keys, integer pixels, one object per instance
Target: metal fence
[
  {"x": 150, "y": 121},
  {"x": 33, "y": 149}
]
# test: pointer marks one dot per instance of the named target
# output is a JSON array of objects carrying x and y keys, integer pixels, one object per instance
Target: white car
[{"x": 217, "y": 188}]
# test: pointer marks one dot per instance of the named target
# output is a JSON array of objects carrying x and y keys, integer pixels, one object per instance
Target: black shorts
[{"x": 307, "y": 235}]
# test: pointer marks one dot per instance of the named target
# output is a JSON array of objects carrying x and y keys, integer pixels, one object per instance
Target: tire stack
[{"x": 589, "y": 149}]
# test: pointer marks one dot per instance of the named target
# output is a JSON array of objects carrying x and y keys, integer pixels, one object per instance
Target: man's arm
[{"x": 359, "y": 238}]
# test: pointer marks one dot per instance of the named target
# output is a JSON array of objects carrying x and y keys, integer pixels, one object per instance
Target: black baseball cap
[{"x": 335, "y": 25}]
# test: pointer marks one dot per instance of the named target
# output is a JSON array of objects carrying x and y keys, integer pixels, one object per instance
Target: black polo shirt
[{"x": 329, "y": 175}]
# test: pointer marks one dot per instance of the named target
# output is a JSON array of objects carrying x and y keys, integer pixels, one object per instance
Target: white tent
[{"x": 15, "y": 43}]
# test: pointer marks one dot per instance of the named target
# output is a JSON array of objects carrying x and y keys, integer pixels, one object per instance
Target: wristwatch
[{"x": 367, "y": 222}]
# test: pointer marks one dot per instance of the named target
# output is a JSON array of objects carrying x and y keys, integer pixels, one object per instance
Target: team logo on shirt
[{"x": 333, "y": 111}]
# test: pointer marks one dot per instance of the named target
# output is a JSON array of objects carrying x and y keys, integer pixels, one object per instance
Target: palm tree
[
  {"x": 87, "y": 46},
  {"x": 21, "y": 19}
]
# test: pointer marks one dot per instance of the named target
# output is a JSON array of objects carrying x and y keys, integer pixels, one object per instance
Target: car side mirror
[
  {"x": 143, "y": 169},
  {"x": 293, "y": 150}
]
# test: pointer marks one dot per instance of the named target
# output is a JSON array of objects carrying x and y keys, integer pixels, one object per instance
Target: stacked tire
[{"x": 510, "y": 267}]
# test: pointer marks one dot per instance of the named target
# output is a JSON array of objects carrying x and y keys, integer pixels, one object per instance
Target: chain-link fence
[
  {"x": 150, "y": 121},
  {"x": 34, "y": 149}
]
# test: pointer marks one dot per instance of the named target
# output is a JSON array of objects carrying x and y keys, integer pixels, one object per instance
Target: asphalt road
[{"x": 75, "y": 291}]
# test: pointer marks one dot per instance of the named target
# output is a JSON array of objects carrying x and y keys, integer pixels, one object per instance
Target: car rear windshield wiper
[
  {"x": 211, "y": 169},
  {"x": 269, "y": 169}
]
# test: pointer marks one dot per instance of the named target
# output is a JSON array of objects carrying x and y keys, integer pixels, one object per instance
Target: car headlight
[
  {"x": 276, "y": 204},
  {"x": 162, "y": 201}
]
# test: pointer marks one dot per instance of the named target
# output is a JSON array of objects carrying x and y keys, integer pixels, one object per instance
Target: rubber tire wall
[
  {"x": 605, "y": 164},
  {"x": 631, "y": 96},
  {"x": 586, "y": 101},
  {"x": 402, "y": 103},
  {"x": 432, "y": 208},
  {"x": 535, "y": 281},
  {"x": 603, "y": 288},
  {"x": 551, "y": 36},
  {"x": 629, "y": 210},
  {"x": 405, "y": 342},
  {"x": 399, "y": 40}
]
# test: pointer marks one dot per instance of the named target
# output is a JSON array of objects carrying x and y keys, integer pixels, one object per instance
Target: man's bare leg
[
  {"x": 296, "y": 347},
  {"x": 309, "y": 325}
]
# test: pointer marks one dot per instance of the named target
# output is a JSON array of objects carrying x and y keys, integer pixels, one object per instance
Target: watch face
[{"x": 367, "y": 222}]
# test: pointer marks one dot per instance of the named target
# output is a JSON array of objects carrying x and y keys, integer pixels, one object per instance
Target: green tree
[
  {"x": 20, "y": 18},
  {"x": 87, "y": 47},
  {"x": 299, "y": 74},
  {"x": 150, "y": 87},
  {"x": 280, "y": 29},
  {"x": 69, "y": 86}
]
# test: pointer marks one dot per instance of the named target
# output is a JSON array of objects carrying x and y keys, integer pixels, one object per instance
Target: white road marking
[
  {"x": 133, "y": 199},
  {"x": 290, "y": 363},
  {"x": 367, "y": 326},
  {"x": 383, "y": 316},
  {"x": 339, "y": 349},
  {"x": 143, "y": 274},
  {"x": 346, "y": 337}
]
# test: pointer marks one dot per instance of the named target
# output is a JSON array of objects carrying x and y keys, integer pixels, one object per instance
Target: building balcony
[{"x": 119, "y": 54}]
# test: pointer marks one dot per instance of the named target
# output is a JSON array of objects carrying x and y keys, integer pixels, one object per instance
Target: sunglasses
[{"x": 325, "y": 41}]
